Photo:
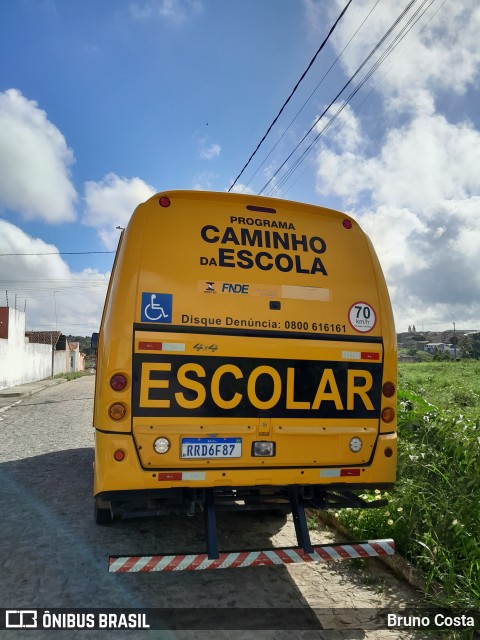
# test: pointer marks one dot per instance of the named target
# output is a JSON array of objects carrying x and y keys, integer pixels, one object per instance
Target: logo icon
[
  {"x": 21, "y": 619},
  {"x": 156, "y": 307},
  {"x": 210, "y": 287},
  {"x": 231, "y": 287}
]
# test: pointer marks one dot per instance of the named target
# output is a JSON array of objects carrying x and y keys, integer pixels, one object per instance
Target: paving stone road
[{"x": 53, "y": 555}]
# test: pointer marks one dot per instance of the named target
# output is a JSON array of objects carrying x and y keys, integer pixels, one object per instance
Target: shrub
[{"x": 434, "y": 510}]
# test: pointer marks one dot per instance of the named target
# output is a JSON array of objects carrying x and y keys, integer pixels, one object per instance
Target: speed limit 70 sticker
[{"x": 362, "y": 317}]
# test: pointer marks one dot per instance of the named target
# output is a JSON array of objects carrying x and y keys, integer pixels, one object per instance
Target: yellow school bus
[{"x": 247, "y": 353}]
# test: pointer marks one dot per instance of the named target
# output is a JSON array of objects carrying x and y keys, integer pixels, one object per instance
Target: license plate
[{"x": 207, "y": 448}]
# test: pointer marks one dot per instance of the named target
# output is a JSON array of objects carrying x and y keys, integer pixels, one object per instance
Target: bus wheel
[{"x": 103, "y": 515}]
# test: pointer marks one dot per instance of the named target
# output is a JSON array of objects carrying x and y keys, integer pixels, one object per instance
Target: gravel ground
[{"x": 53, "y": 555}]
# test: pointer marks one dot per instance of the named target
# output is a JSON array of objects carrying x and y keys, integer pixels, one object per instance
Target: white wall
[
  {"x": 22, "y": 362},
  {"x": 60, "y": 364}
]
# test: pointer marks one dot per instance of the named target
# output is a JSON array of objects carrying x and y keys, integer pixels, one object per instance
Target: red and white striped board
[{"x": 232, "y": 560}]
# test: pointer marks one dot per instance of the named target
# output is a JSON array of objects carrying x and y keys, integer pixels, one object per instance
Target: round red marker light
[
  {"x": 347, "y": 224},
  {"x": 119, "y": 455},
  {"x": 388, "y": 389},
  {"x": 118, "y": 382},
  {"x": 164, "y": 201}
]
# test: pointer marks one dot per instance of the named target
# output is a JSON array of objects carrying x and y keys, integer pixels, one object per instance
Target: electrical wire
[
  {"x": 56, "y": 253},
  {"x": 399, "y": 37},
  {"x": 292, "y": 93},
  {"x": 372, "y": 53},
  {"x": 368, "y": 94},
  {"x": 312, "y": 94}
]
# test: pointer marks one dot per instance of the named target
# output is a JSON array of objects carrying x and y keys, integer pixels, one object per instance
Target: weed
[
  {"x": 72, "y": 375},
  {"x": 434, "y": 511}
]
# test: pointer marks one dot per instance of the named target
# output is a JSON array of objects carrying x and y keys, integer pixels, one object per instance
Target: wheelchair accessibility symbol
[{"x": 156, "y": 307}]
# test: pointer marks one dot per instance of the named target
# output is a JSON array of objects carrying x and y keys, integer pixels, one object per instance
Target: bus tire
[{"x": 103, "y": 516}]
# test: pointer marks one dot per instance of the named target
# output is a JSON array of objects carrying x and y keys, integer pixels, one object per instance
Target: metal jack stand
[
  {"x": 210, "y": 525},
  {"x": 305, "y": 552},
  {"x": 300, "y": 521}
]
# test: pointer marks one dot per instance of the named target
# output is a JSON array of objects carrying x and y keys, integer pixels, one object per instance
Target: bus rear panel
[{"x": 247, "y": 345}]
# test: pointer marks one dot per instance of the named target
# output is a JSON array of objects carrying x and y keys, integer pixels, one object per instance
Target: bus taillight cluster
[
  {"x": 117, "y": 410},
  {"x": 388, "y": 413}
]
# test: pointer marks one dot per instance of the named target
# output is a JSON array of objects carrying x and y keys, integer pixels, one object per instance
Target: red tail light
[
  {"x": 388, "y": 389},
  {"x": 118, "y": 382}
]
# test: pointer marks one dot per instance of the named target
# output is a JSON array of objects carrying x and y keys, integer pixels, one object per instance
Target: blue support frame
[
  {"x": 300, "y": 521},
  {"x": 210, "y": 525}
]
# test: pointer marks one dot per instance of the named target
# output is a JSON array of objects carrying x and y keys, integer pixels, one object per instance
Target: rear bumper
[{"x": 129, "y": 475}]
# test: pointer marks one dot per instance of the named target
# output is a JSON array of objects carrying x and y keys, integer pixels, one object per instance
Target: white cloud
[
  {"x": 467, "y": 241},
  {"x": 391, "y": 230},
  {"x": 55, "y": 296},
  {"x": 176, "y": 11},
  {"x": 205, "y": 181},
  {"x": 341, "y": 166},
  {"x": 111, "y": 202},
  {"x": 208, "y": 152},
  {"x": 420, "y": 164},
  {"x": 429, "y": 161},
  {"x": 344, "y": 130},
  {"x": 442, "y": 56},
  {"x": 34, "y": 162},
  {"x": 416, "y": 199},
  {"x": 241, "y": 188},
  {"x": 406, "y": 171}
]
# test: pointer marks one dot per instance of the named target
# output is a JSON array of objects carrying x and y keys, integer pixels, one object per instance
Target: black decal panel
[{"x": 176, "y": 385}]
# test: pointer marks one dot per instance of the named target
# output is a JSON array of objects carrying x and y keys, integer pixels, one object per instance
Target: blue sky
[{"x": 104, "y": 103}]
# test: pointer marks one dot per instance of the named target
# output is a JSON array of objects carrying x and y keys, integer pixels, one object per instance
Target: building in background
[{"x": 33, "y": 355}]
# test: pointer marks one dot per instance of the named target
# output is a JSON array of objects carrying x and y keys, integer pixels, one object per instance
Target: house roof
[{"x": 43, "y": 337}]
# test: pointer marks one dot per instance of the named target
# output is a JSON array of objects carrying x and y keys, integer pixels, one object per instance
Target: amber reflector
[
  {"x": 388, "y": 414},
  {"x": 117, "y": 411}
]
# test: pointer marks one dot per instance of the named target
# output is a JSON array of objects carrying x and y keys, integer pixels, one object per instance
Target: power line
[
  {"x": 410, "y": 24},
  {"x": 298, "y": 161},
  {"x": 63, "y": 283},
  {"x": 18, "y": 285},
  {"x": 291, "y": 94},
  {"x": 42, "y": 294},
  {"x": 313, "y": 92},
  {"x": 69, "y": 324},
  {"x": 56, "y": 253},
  {"x": 372, "y": 52},
  {"x": 69, "y": 281}
]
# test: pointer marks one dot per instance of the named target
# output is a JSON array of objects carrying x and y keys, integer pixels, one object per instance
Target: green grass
[
  {"x": 72, "y": 375},
  {"x": 421, "y": 355},
  {"x": 434, "y": 511},
  {"x": 453, "y": 386}
]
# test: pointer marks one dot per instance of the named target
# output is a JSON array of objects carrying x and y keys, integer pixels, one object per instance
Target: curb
[
  {"x": 397, "y": 563},
  {"x": 30, "y": 388}
]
